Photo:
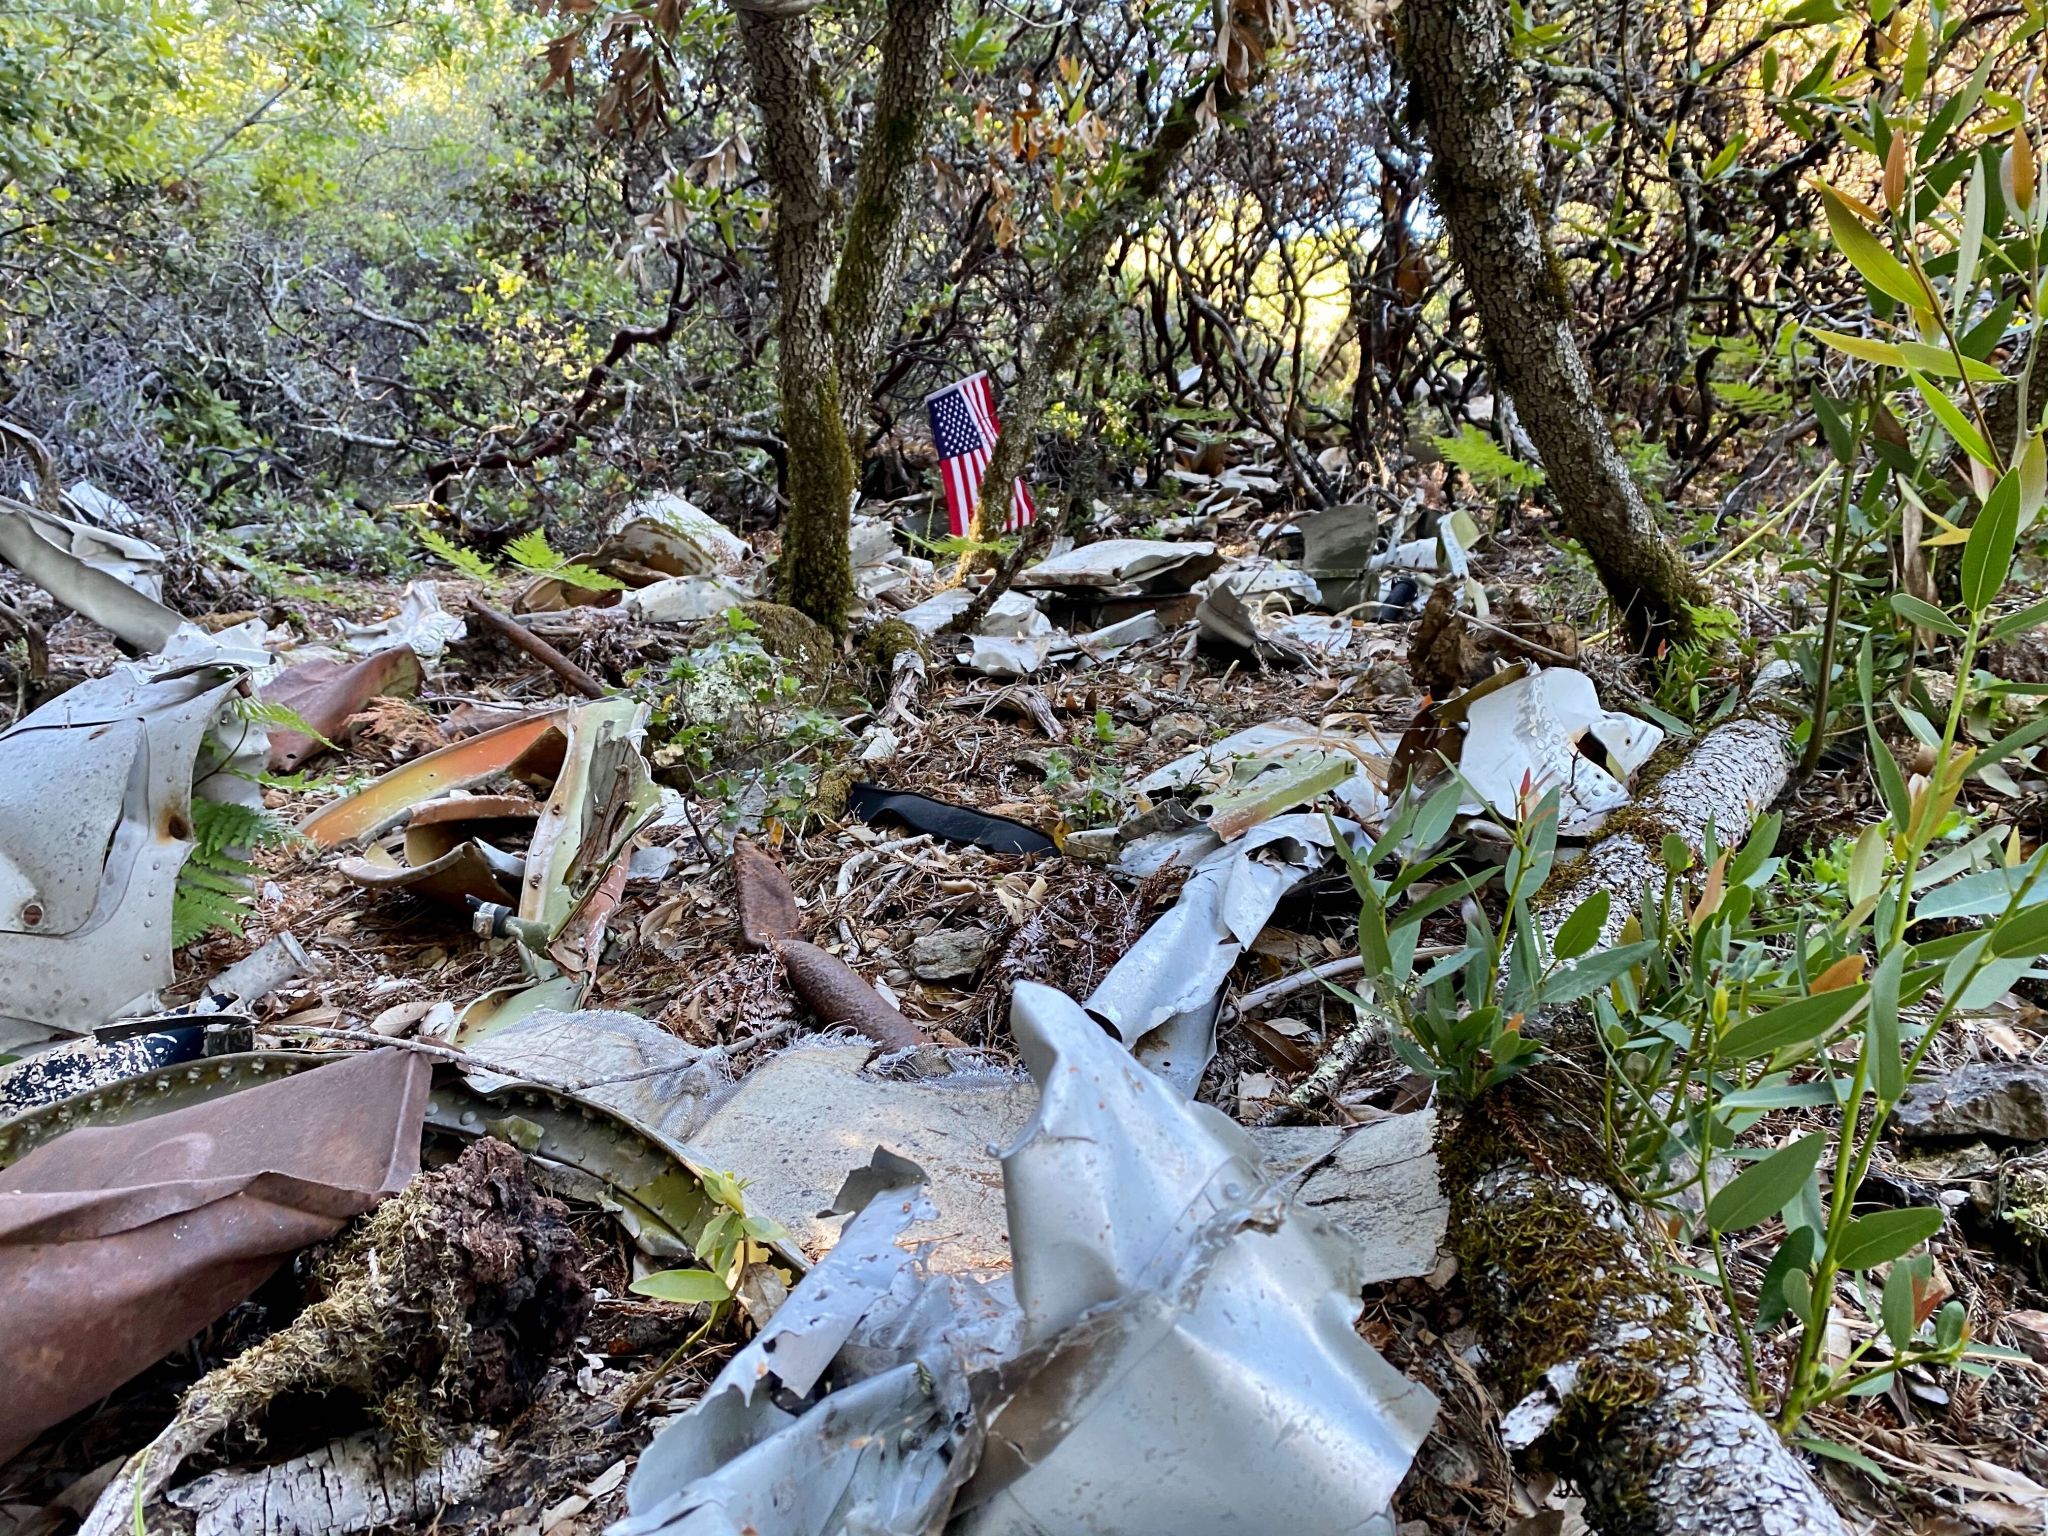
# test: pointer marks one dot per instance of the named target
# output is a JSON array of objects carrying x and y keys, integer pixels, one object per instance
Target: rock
[
  {"x": 948, "y": 954},
  {"x": 1176, "y": 731},
  {"x": 1987, "y": 1098}
]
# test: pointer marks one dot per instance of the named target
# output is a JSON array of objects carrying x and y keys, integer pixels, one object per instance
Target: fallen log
[{"x": 1616, "y": 1383}]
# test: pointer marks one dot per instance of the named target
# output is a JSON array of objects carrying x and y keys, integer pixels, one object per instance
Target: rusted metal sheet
[
  {"x": 385, "y": 803},
  {"x": 120, "y": 1242},
  {"x": 767, "y": 904},
  {"x": 325, "y": 693}
]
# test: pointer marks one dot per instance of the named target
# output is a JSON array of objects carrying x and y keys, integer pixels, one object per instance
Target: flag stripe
[{"x": 964, "y": 430}]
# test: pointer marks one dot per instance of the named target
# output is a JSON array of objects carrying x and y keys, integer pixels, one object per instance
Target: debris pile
[{"x": 835, "y": 1115}]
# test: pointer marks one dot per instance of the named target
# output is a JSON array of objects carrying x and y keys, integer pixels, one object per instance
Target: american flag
[{"x": 964, "y": 428}]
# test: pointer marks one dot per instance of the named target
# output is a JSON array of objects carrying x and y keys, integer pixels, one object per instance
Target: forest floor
[{"x": 1058, "y": 750}]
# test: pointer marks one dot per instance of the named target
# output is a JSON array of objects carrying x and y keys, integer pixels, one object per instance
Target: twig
[
  {"x": 1338, "y": 1063},
  {"x": 1287, "y": 986},
  {"x": 538, "y": 649}
]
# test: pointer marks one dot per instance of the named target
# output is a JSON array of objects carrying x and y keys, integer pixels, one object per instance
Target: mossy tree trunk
[
  {"x": 1601, "y": 1353},
  {"x": 837, "y": 283},
  {"x": 1462, "y": 89}
]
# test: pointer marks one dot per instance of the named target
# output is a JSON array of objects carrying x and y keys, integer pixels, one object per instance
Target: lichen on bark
[{"x": 1461, "y": 82}]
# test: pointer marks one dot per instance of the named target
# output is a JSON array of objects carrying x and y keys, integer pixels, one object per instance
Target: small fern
[
  {"x": 273, "y": 716},
  {"x": 215, "y": 885},
  {"x": 532, "y": 552},
  {"x": 1486, "y": 463},
  {"x": 467, "y": 561}
]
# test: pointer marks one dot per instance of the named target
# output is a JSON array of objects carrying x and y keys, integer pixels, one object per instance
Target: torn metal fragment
[
  {"x": 1162, "y": 997},
  {"x": 1189, "y": 1352},
  {"x": 118, "y": 1243},
  {"x": 767, "y": 904},
  {"x": 324, "y": 693},
  {"x": 386, "y": 803},
  {"x": 95, "y": 824},
  {"x": 40, "y": 546}
]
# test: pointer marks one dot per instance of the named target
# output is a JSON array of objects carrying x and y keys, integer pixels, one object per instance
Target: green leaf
[
  {"x": 1981, "y": 894},
  {"x": 1794, "y": 1253},
  {"x": 1749, "y": 863},
  {"x": 1914, "y": 76},
  {"x": 1762, "y": 1189},
  {"x": 1987, "y": 557},
  {"x": 2024, "y": 933},
  {"x": 1942, "y": 363},
  {"x": 683, "y": 1285},
  {"x": 2030, "y": 617},
  {"x": 1580, "y": 931},
  {"x": 1868, "y": 256},
  {"x": 1883, "y": 353},
  {"x": 1925, "y": 615},
  {"x": 1835, "y": 1451},
  {"x": 1883, "y": 1236},
  {"x": 1802, "y": 1020},
  {"x": 1898, "y": 1304},
  {"x": 1957, "y": 425},
  {"x": 1587, "y": 976},
  {"x": 1890, "y": 782}
]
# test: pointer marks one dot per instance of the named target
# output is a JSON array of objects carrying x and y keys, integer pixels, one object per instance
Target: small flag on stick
[{"x": 964, "y": 428}]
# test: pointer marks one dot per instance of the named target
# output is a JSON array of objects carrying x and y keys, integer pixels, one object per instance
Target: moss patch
[
  {"x": 1552, "y": 1281},
  {"x": 794, "y": 638}
]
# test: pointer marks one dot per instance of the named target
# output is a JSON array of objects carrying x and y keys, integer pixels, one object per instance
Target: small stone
[
  {"x": 948, "y": 954},
  {"x": 1175, "y": 733},
  {"x": 1987, "y": 1098}
]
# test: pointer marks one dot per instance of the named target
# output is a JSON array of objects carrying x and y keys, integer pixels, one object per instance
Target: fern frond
[
  {"x": 217, "y": 881},
  {"x": 531, "y": 552},
  {"x": 586, "y": 578},
  {"x": 1486, "y": 463},
  {"x": 467, "y": 561},
  {"x": 277, "y": 717}
]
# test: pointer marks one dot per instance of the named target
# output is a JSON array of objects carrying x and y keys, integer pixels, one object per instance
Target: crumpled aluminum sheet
[
  {"x": 120, "y": 1242},
  {"x": 628, "y": 1064},
  {"x": 1176, "y": 1356},
  {"x": 1191, "y": 1366},
  {"x": 1533, "y": 733},
  {"x": 421, "y": 623},
  {"x": 881, "y": 1456},
  {"x": 38, "y": 545},
  {"x": 95, "y": 823},
  {"x": 1114, "y": 562},
  {"x": 1161, "y": 998}
]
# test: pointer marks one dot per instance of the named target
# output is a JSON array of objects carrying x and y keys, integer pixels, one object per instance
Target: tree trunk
[
  {"x": 1077, "y": 294},
  {"x": 863, "y": 313},
  {"x": 815, "y": 574},
  {"x": 1584, "y": 1323},
  {"x": 837, "y": 304},
  {"x": 1461, "y": 87}
]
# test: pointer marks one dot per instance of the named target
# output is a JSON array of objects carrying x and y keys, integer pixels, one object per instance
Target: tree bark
[
  {"x": 815, "y": 574},
  {"x": 837, "y": 302},
  {"x": 1461, "y": 87},
  {"x": 1596, "y": 1342},
  {"x": 863, "y": 311}
]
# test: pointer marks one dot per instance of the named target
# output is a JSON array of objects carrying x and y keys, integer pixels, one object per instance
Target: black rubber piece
[{"x": 949, "y": 823}]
